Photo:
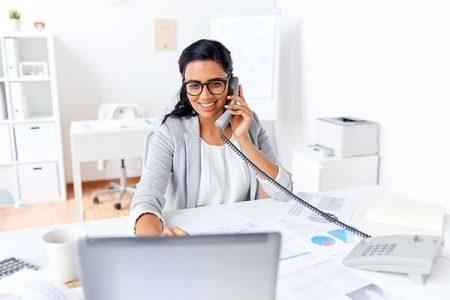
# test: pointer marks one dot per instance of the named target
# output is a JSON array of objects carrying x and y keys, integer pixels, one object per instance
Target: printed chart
[
  {"x": 343, "y": 235},
  {"x": 323, "y": 240}
]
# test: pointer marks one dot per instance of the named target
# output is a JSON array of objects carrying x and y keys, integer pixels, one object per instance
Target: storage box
[
  {"x": 35, "y": 142},
  {"x": 9, "y": 191},
  {"x": 312, "y": 172},
  {"x": 38, "y": 182},
  {"x": 348, "y": 136},
  {"x": 5, "y": 145}
]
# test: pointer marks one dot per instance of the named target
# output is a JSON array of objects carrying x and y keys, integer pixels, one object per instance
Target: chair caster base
[
  {"x": 96, "y": 201},
  {"x": 117, "y": 206}
]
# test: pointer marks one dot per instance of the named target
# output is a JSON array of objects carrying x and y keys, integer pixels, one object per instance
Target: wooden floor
[{"x": 35, "y": 215}]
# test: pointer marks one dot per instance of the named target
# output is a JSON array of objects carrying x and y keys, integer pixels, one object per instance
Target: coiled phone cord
[{"x": 329, "y": 217}]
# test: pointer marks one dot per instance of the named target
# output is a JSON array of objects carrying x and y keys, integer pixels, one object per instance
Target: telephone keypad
[{"x": 378, "y": 249}]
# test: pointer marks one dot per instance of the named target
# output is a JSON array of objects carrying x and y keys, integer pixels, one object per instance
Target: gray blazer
[{"x": 171, "y": 174}]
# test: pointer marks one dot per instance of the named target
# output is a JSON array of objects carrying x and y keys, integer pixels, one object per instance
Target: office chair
[
  {"x": 120, "y": 188},
  {"x": 117, "y": 111}
]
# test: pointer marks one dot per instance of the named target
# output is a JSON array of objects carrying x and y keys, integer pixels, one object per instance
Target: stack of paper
[{"x": 406, "y": 214}]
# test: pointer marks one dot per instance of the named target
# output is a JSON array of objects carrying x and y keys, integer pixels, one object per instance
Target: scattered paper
[
  {"x": 34, "y": 285},
  {"x": 323, "y": 240},
  {"x": 343, "y": 209},
  {"x": 324, "y": 280}
]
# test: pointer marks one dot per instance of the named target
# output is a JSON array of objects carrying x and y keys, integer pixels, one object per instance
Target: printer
[{"x": 346, "y": 137}]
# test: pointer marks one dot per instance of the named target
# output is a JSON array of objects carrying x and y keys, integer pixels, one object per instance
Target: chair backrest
[{"x": 115, "y": 111}]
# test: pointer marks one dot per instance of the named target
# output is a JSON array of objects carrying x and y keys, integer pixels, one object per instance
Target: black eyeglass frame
[{"x": 225, "y": 81}]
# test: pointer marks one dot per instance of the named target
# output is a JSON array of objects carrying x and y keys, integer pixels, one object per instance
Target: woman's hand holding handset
[{"x": 242, "y": 115}]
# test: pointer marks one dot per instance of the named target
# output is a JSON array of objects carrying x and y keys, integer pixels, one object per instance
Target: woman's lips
[{"x": 207, "y": 106}]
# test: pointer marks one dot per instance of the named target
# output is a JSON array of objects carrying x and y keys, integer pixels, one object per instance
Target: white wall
[
  {"x": 386, "y": 61},
  {"x": 105, "y": 52}
]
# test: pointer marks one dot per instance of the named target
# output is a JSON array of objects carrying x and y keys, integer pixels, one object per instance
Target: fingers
[
  {"x": 237, "y": 107},
  {"x": 237, "y": 100},
  {"x": 179, "y": 231},
  {"x": 240, "y": 98},
  {"x": 174, "y": 231},
  {"x": 240, "y": 110}
]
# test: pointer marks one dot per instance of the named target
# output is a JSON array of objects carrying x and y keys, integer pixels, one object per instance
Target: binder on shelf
[
  {"x": 3, "y": 111},
  {"x": 19, "y": 101},
  {"x": 12, "y": 57}
]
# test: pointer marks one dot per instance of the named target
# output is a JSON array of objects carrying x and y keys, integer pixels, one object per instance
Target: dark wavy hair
[{"x": 200, "y": 50}]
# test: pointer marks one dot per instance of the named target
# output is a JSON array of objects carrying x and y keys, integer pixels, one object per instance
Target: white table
[
  {"x": 105, "y": 140},
  {"x": 26, "y": 244}
]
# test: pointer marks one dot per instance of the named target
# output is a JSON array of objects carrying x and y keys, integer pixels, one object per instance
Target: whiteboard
[{"x": 253, "y": 41}]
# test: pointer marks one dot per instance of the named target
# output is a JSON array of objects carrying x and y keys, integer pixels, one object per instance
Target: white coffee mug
[{"x": 61, "y": 249}]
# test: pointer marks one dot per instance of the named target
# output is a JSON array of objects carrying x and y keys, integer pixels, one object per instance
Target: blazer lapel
[{"x": 192, "y": 142}]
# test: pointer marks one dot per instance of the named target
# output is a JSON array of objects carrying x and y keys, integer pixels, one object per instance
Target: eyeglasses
[{"x": 214, "y": 86}]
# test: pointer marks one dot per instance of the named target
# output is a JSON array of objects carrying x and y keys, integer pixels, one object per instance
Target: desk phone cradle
[
  {"x": 12, "y": 265},
  {"x": 414, "y": 255}
]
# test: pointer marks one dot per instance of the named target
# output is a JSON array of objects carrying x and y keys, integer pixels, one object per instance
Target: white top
[{"x": 224, "y": 177}]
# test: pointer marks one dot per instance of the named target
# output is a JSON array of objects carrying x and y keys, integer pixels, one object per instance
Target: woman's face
[{"x": 207, "y": 104}]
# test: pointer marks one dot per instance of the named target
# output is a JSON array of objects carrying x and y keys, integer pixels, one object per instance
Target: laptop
[{"x": 193, "y": 267}]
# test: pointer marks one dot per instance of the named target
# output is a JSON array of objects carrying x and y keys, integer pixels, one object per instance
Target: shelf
[
  {"x": 27, "y": 162},
  {"x": 6, "y": 164},
  {"x": 25, "y": 35},
  {"x": 34, "y": 120},
  {"x": 36, "y": 162},
  {"x": 29, "y": 79},
  {"x": 17, "y": 163}
]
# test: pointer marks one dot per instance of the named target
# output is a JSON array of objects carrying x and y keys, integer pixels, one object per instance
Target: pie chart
[
  {"x": 323, "y": 240},
  {"x": 343, "y": 235}
]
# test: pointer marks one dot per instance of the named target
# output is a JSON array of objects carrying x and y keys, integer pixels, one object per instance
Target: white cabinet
[
  {"x": 6, "y": 155},
  {"x": 9, "y": 192},
  {"x": 38, "y": 182},
  {"x": 314, "y": 173},
  {"x": 35, "y": 141},
  {"x": 31, "y": 158}
]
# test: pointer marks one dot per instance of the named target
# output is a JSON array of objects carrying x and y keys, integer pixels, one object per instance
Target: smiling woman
[
  {"x": 188, "y": 164},
  {"x": 210, "y": 101}
]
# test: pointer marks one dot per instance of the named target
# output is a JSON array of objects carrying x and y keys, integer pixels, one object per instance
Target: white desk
[
  {"x": 26, "y": 244},
  {"x": 105, "y": 140}
]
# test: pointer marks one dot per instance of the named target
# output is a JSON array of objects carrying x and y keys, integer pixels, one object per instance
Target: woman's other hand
[
  {"x": 150, "y": 225},
  {"x": 174, "y": 231}
]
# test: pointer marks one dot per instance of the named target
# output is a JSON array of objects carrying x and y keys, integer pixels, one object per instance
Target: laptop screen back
[{"x": 194, "y": 267}]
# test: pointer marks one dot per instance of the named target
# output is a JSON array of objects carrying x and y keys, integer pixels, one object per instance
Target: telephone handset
[
  {"x": 414, "y": 255},
  {"x": 233, "y": 89}
]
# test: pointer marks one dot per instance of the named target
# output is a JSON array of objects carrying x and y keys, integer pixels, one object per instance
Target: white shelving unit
[{"x": 31, "y": 157}]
